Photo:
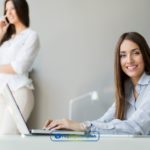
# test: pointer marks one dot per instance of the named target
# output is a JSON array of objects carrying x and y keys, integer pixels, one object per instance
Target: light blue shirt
[{"x": 137, "y": 113}]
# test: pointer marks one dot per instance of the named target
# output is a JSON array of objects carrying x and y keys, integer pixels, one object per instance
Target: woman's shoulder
[
  {"x": 30, "y": 35},
  {"x": 31, "y": 31}
]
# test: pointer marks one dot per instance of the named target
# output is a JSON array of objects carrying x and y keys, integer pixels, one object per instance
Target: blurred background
[{"x": 78, "y": 39}]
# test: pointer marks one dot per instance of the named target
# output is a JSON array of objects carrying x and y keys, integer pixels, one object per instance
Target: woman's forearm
[{"x": 7, "y": 69}]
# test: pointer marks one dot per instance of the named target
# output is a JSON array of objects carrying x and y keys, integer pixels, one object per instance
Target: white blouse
[{"x": 20, "y": 53}]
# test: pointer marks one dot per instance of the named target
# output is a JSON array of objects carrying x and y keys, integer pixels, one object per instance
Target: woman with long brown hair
[
  {"x": 130, "y": 114},
  {"x": 19, "y": 46}
]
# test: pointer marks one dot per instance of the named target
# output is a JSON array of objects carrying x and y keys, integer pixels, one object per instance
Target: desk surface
[{"x": 16, "y": 142}]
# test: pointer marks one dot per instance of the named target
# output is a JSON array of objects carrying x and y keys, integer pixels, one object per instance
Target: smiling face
[
  {"x": 11, "y": 13},
  {"x": 131, "y": 60}
]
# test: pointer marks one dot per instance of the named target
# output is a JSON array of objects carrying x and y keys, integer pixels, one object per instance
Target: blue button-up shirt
[{"x": 137, "y": 112}]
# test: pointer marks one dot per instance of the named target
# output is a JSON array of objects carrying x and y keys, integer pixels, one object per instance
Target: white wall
[{"x": 78, "y": 38}]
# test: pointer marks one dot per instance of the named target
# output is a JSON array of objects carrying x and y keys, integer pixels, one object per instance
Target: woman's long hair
[
  {"x": 120, "y": 76},
  {"x": 22, "y": 11}
]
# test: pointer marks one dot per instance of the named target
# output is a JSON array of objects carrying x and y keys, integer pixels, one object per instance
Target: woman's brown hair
[
  {"x": 22, "y": 11},
  {"x": 120, "y": 76}
]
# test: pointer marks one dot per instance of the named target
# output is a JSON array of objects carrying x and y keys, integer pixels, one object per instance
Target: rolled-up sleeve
[{"x": 26, "y": 55}]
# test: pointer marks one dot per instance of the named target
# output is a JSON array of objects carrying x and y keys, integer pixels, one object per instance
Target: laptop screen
[
  {"x": 19, "y": 119},
  {"x": 15, "y": 111}
]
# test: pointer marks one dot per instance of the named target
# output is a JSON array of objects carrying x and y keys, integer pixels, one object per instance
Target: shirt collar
[{"x": 144, "y": 79}]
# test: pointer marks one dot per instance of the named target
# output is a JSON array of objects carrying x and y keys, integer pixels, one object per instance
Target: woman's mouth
[{"x": 132, "y": 67}]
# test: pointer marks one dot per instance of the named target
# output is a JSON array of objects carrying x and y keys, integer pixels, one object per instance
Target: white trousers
[{"x": 25, "y": 99}]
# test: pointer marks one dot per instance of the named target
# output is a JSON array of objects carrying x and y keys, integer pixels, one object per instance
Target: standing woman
[
  {"x": 130, "y": 114},
  {"x": 19, "y": 46}
]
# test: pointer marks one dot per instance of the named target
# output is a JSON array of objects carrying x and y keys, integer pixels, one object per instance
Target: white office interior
[{"x": 76, "y": 57}]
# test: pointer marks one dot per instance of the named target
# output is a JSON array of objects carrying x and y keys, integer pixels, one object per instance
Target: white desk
[{"x": 44, "y": 142}]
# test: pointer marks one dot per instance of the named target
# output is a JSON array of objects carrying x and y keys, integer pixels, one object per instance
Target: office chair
[{"x": 86, "y": 107}]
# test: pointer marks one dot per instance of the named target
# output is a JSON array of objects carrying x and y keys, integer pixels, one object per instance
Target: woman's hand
[
  {"x": 3, "y": 26},
  {"x": 63, "y": 124}
]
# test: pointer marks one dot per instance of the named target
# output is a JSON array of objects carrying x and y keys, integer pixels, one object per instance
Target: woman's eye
[
  {"x": 136, "y": 53},
  {"x": 9, "y": 9},
  {"x": 122, "y": 55}
]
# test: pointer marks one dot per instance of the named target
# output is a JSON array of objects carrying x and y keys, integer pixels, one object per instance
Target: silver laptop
[{"x": 20, "y": 122}]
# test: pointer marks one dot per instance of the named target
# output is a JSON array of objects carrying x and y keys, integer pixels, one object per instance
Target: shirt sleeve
[
  {"x": 25, "y": 57},
  {"x": 107, "y": 117},
  {"x": 138, "y": 123}
]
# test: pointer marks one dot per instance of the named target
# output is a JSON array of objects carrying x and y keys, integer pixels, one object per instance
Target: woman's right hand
[
  {"x": 3, "y": 26},
  {"x": 47, "y": 123},
  {"x": 63, "y": 124}
]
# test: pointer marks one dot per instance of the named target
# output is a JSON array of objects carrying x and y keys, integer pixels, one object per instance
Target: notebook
[{"x": 20, "y": 122}]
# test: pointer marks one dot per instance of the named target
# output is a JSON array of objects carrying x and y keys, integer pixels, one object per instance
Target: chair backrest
[{"x": 86, "y": 109}]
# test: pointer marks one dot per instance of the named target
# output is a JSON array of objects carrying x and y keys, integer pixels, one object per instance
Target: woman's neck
[
  {"x": 135, "y": 93},
  {"x": 19, "y": 28}
]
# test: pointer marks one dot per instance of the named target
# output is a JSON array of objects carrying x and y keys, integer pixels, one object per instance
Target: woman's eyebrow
[
  {"x": 122, "y": 52},
  {"x": 132, "y": 50},
  {"x": 135, "y": 49}
]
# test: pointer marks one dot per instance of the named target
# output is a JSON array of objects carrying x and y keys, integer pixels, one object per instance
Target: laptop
[{"x": 20, "y": 121}]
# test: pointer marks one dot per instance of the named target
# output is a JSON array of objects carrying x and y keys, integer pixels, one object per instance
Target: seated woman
[{"x": 130, "y": 114}]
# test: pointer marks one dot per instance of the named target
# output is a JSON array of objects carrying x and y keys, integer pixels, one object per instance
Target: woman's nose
[{"x": 129, "y": 59}]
